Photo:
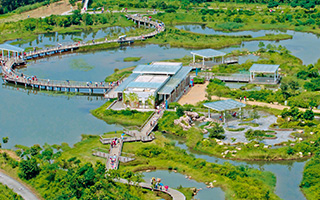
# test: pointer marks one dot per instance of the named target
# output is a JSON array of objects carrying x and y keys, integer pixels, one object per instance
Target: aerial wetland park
[{"x": 160, "y": 99}]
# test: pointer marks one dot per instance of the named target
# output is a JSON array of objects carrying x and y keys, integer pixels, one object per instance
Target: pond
[
  {"x": 55, "y": 38},
  {"x": 175, "y": 180},
  {"x": 288, "y": 173},
  {"x": 302, "y": 45}
]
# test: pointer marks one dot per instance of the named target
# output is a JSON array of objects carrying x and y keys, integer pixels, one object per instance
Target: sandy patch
[{"x": 56, "y": 8}]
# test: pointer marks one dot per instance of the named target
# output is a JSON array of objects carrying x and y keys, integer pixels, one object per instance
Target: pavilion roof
[
  {"x": 223, "y": 105},
  {"x": 264, "y": 68},
  {"x": 208, "y": 53},
  {"x": 9, "y": 47}
]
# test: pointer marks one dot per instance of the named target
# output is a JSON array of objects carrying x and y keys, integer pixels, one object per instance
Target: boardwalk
[
  {"x": 113, "y": 158},
  {"x": 12, "y": 76},
  {"x": 175, "y": 194}
]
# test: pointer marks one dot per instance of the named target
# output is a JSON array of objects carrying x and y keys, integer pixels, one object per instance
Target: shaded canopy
[
  {"x": 208, "y": 53},
  {"x": 224, "y": 105},
  {"x": 264, "y": 68},
  {"x": 9, "y": 47}
]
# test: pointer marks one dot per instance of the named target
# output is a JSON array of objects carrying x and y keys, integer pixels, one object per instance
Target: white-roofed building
[{"x": 150, "y": 85}]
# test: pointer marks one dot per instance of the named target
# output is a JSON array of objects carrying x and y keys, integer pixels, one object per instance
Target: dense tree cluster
[
  {"x": 10, "y": 5},
  {"x": 57, "y": 178}
]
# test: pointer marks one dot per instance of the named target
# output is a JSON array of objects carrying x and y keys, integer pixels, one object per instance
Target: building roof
[
  {"x": 125, "y": 83},
  {"x": 154, "y": 85},
  {"x": 264, "y": 68},
  {"x": 157, "y": 69},
  {"x": 175, "y": 81},
  {"x": 208, "y": 53},
  {"x": 223, "y": 105},
  {"x": 9, "y": 47}
]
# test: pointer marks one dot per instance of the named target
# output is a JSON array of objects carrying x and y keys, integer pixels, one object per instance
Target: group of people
[
  {"x": 156, "y": 184},
  {"x": 114, "y": 142},
  {"x": 113, "y": 160},
  {"x": 244, "y": 99}
]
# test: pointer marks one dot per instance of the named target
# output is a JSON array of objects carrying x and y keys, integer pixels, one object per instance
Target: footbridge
[{"x": 10, "y": 75}]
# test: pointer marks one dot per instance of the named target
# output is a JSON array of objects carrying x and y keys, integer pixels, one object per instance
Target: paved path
[
  {"x": 199, "y": 91},
  {"x": 17, "y": 187},
  {"x": 175, "y": 194}
]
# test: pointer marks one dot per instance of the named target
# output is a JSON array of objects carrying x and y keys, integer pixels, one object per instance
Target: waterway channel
[
  {"x": 28, "y": 118},
  {"x": 288, "y": 173}
]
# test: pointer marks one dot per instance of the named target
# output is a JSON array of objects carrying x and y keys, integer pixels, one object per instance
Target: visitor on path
[
  {"x": 122, "y": 136},
  {"x": 240, "y": 99},
  {"x": 166, "y": 187},
  {"x": 245, "y": 99}
]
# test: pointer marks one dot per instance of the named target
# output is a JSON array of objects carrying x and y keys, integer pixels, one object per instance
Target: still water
[{"x": 302, "y": 45}]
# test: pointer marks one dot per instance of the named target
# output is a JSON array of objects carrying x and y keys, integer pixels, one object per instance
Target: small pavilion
[
  {"x": 271, "y": 70},
  {"x": 16, "y": 51},
  {"x": 208, "y": 53},
  {"x": 223, "y": 106}
]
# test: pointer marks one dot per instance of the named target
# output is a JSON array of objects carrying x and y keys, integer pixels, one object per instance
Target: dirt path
[
  {"x": 198, "y": 93},
  {"x": 56, "y": 8}
]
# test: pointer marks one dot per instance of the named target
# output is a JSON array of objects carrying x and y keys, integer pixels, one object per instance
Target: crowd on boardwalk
[{"x": 157, "y": 184}]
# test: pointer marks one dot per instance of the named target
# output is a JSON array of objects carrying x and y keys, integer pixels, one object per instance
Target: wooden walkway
[
  {"x": 12, "y": 76},
  {"x": 175, "y": 194}
]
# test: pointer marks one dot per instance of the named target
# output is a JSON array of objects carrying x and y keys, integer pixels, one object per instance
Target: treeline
[{"x": 10, "y": 5}]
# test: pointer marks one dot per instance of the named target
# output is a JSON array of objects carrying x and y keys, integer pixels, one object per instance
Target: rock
[
  {"x": 238, "y": 148},
  {"x": 256, "y": 145},
  {"x": 312, "y": 142},
  {"x": 205, "y": 131},
  {"x": 148, "y": 170},
  {"x": 311, "y": 133},
  {"x": 292, "y": 144},
  {"x": 265, "y": 146},
  {"x": 300, "y": 131}
]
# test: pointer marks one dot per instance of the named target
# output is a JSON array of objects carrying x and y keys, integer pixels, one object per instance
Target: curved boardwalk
[
  {"x": 10, "y": 75},
  {"x": 17, "y": 187},
  {"x": 175, "y": 194}
]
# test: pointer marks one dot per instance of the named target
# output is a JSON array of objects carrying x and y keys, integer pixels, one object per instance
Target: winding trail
[{"x": 17, "y": 187}]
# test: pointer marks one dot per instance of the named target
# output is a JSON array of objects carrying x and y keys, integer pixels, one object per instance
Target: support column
[
  {"x": 209, "y": 115},
  {"x": 2, "y": 55},
  {"x": 194, "y": 59},
  {"x": 240, "y": 114},
  {"x": 203, "y": 61},
  {"x": 224, "y": 117},
  {"x": 222, "y": 60}
]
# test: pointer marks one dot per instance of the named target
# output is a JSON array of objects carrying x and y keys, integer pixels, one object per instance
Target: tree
[
  {"x": 87, "y": 18},
  {"x": 254, "y": 114},
  {"x": 308, "y": 115},
  {"x": 216, "y": 131},
  {"x": 28, "y": 168},
  {"x": 5, "y": 140},
  {"x": 261, "y": 45}
]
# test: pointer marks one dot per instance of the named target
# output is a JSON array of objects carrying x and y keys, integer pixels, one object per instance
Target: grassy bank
[
  {"x": 131, "y": 59},
  {"x": 119, "y": 74},
  {"x": 180, "y": 38},
  {"x": 310, "y": 183},
  {"x": 123, "y": 117}
]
